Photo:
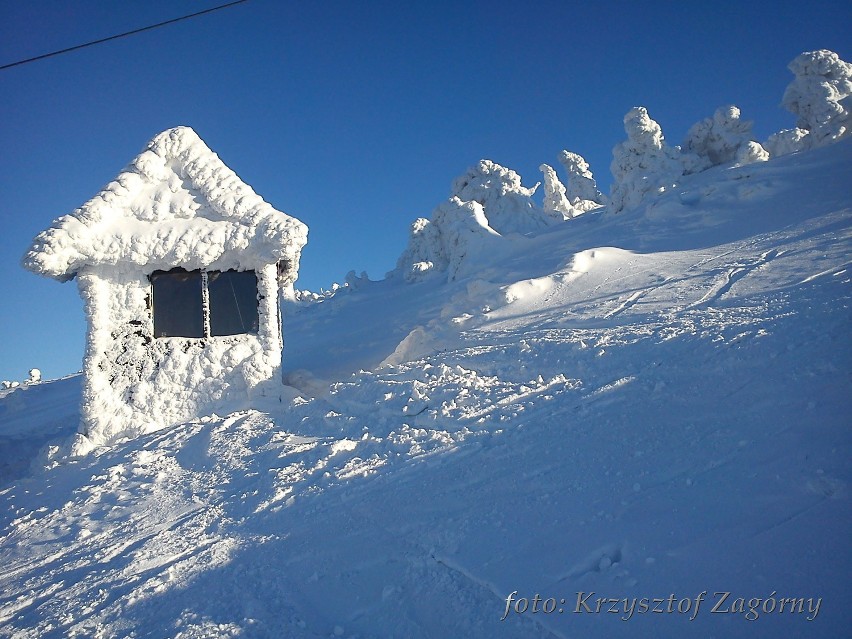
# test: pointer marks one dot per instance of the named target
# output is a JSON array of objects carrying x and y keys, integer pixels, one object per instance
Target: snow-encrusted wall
[
  {"x": 176, "y": 205},
  {"x": 134, "y": 383}
]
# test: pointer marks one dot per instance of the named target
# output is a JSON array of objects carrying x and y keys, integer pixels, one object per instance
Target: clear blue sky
[{"x": 354, "y": 117}]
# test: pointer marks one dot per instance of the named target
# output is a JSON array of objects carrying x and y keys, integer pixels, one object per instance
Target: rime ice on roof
[
  {"x": 176, "y": 203},
  {"x": 179, "y": 265}
]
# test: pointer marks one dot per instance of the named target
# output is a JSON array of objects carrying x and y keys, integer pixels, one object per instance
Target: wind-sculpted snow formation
[
  {"x": 489, "y": 201},
  {"x": 555, "y": 200},
  {"x": 819, "y": 96},
  {"x": 507, "y": 204}
]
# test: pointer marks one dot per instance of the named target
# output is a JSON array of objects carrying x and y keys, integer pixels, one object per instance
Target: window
[
  {"x": 233, "y": 302},
  {"x": 204, "y": 303},
  {"x": 177, "y": 302}
]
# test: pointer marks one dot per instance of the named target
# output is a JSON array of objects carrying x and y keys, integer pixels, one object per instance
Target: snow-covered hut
[{"x": 179, "y": 264}]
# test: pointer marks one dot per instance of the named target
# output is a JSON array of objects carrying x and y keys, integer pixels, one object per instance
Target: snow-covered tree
[
  {"x": 787, "y": 141},
  {"x": 456, "y": 234},
  {"x": 820, "y": 96},
  {"x": 555, "y": 202},
  {"x": 643, "y": 163},
  {"x": 34, "y": 376},
  {"x": 582, "y": 191},
  {"x": 722, "y": 139},
  {"x": 507, "y": 204},
  {"x": 486, "y": 202},
  {"x": 424, "y": 252}
]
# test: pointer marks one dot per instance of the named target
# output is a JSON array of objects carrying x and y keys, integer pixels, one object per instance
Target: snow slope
[{"x": 638, "y": 405}]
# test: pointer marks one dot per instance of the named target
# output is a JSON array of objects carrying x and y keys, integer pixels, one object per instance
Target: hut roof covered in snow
[{"x": 176, "y": 204}]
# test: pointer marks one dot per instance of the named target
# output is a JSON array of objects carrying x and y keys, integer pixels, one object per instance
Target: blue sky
[{"x": 354, "y": 117}]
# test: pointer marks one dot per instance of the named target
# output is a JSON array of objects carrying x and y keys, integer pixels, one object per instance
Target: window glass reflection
[{"x": 233, "y": 302}]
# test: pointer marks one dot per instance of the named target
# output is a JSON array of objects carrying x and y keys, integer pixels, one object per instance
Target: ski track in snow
[{"x": 732, "y": 274}]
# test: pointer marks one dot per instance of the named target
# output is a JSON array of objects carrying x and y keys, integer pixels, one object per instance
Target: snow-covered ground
[{"x": 649, "y": 405}]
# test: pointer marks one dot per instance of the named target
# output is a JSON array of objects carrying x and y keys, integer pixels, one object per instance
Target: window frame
[{"x": 206, "y": 310}]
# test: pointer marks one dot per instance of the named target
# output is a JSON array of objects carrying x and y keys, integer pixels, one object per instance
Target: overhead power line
[{"x": 121, "y": 35}]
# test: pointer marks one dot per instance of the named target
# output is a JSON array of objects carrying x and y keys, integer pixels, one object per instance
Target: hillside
[{"x": 641, "y": 405}]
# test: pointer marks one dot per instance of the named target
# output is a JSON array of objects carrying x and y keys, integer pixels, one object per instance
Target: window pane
[
  {"x": 177, "y": 303},
  {"x": 233, "y": 302}
]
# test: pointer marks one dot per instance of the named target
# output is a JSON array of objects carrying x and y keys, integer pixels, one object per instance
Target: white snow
[
  {"x": 455, "y": 236},
  {"x": 787, "y": 141},
  {"x": 818, "y": 95},
  {"x": 639, "y": 405},
  {"x": 507, "y": 204},
  {"x": 642, "y": 406},
  {"x": 488, "y": 206},
  {"x": 555, "y": 201}
]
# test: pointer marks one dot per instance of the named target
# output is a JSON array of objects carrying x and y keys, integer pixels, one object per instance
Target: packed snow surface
[{"x": 644, "y": 406}]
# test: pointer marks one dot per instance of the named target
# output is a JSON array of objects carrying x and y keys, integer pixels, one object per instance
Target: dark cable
[{"x": 122, "y": 35}]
